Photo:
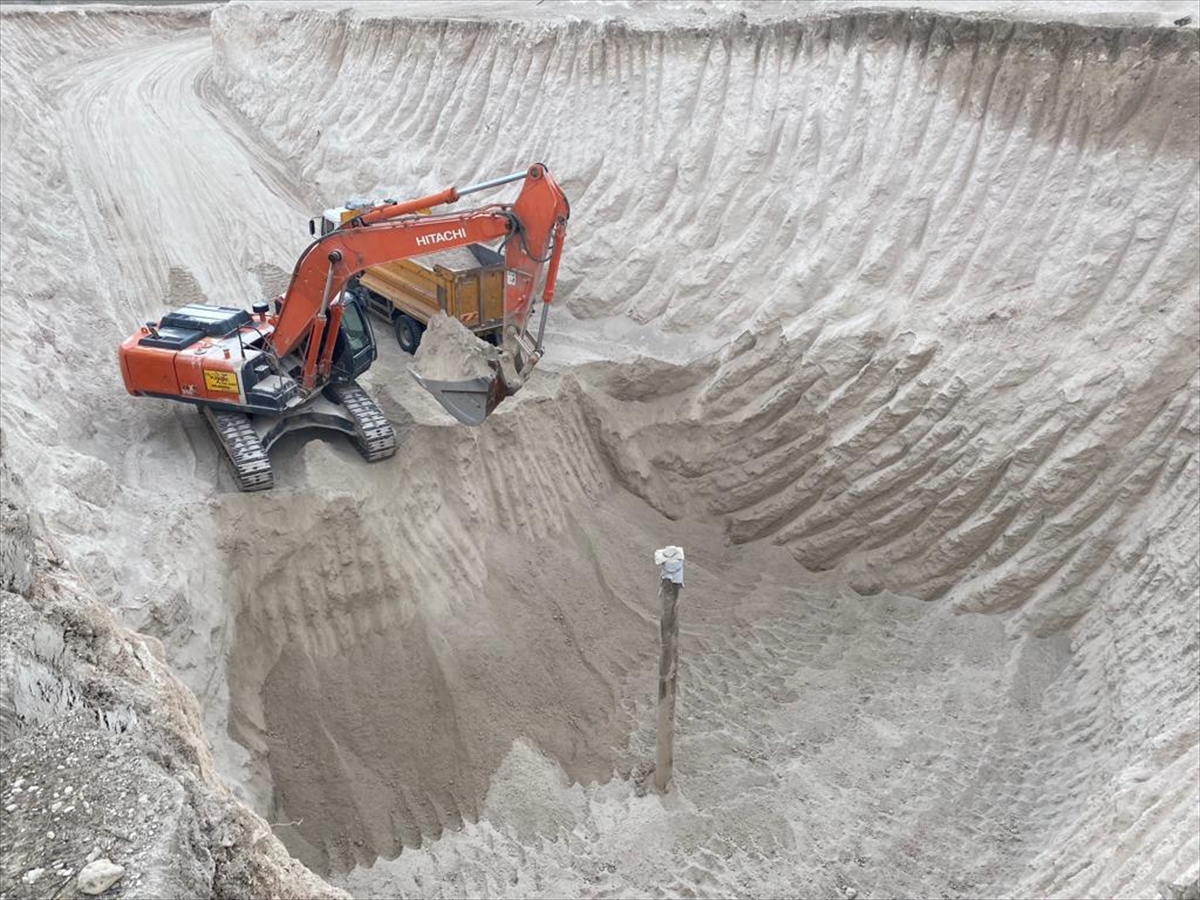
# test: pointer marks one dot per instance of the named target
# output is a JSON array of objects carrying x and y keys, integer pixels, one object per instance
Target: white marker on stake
[{"x": 670, "y": 562}]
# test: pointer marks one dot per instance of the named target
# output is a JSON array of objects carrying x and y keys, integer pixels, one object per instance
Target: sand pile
[
  {"x": 449, "y": 351},
  {"x": 931, "y": 445}
]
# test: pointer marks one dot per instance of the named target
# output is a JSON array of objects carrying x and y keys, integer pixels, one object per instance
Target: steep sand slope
[
  {"x": 102, "y": 750},
  {"x": 977, "y": 238}
]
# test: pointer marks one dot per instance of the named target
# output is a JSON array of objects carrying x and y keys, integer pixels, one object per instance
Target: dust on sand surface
[{"x": 928, "y": 433}]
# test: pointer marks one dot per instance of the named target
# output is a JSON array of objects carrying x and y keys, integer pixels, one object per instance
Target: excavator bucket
[
  {"x": 467, "y": 375},
  {"x": 470, "y": 400}
]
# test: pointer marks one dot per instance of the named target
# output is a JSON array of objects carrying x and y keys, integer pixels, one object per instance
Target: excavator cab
[{"x": 355, "y": 349}]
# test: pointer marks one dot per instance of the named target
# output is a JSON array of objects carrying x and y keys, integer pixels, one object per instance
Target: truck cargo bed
[{"x": 465, "y": 282}]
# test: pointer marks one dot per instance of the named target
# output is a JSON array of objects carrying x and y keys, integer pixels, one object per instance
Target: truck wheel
[{"x": 408, "y": 333}]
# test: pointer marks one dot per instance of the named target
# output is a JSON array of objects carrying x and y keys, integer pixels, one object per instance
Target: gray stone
[{"x": 97, "y": 877}]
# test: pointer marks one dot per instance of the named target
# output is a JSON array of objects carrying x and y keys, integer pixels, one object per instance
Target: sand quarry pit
[{"x": 890, "y": 316}]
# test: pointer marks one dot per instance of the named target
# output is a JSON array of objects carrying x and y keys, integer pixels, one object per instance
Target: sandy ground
[{"x": 889, "y": 317}]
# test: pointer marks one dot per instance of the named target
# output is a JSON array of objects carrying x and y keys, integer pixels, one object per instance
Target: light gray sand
[
  {"x": 450, "y": 352},
  {"x": 931, "y": 448}
]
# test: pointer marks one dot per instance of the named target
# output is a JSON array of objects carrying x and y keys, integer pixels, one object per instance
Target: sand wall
[
  {"x": 397, "y": 633},
  {"x": 882, "y": 168},
  {"x": 976, "y": 237}
]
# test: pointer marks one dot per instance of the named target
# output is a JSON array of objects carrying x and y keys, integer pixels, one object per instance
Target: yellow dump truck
[{"x": 466, "y": 282}]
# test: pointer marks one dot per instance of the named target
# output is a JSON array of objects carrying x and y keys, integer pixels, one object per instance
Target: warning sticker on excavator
[{"x": 222, "y": 382}]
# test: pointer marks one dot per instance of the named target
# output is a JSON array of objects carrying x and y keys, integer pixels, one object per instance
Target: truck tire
[{"x": 408, "y": 333}]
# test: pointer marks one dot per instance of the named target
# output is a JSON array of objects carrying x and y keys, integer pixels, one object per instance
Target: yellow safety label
[{"x": 224, "y": 382}]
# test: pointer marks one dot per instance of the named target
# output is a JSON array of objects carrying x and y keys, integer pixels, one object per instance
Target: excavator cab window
[
  {"x": 356, "y": 329},
  {"x": 355, "y": 350}
]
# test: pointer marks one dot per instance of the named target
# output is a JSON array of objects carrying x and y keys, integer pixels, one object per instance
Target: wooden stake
[{"x": 668, "y": 668}]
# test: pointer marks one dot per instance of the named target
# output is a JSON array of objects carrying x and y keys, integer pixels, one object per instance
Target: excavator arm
[{"x": 533, "y": 229}]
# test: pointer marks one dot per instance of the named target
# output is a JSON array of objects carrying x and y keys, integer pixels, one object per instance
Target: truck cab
[
  {"x": 336, "y": 216},
  {"x": 328, "y": 221}
]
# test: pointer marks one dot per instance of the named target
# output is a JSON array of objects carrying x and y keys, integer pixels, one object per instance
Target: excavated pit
[{"x": 889, "y": 318}]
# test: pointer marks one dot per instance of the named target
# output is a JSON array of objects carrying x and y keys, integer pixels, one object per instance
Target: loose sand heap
[
  {"x": 449, "y": 351},
  {"x": 890, "y": 317}
]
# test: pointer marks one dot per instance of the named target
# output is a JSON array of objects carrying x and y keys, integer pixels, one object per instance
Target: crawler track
[
  {"x": 375, "y": 436},
  {"x": 243, "y": 449}
]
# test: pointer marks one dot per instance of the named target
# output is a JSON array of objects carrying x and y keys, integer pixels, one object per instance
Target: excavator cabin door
[{"x": 355, "y": 350}]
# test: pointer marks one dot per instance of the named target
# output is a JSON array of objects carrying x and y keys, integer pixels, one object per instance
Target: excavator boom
[
  {"x": 335, "y": 258},
  {"x": 392, "y": 232},
  {"x": 534, "y": 227}
]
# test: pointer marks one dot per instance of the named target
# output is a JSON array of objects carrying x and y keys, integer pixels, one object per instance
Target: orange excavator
[{"x": 257, "y": 375}]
